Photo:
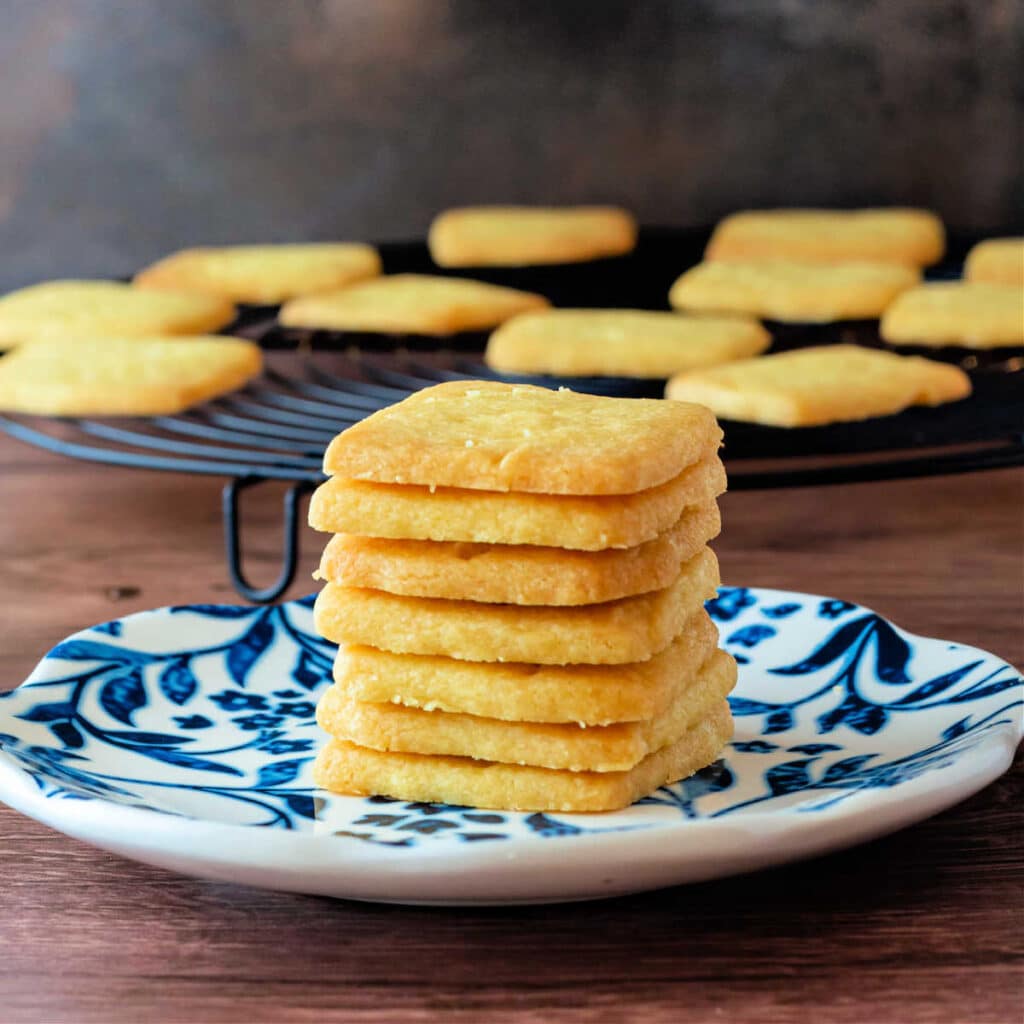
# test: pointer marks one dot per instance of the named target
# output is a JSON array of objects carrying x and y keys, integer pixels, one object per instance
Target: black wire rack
[{"x": 318, "y": 383}]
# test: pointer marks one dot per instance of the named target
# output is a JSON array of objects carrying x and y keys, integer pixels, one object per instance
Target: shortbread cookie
[
  {"x": 827, "y": 384},
  {"x": 410, "y": 303},
  {"x": 343, "y": 767},
  {"x": 603, "y": 748},
  {"x": 794, "y": 292},
  {"x": 514, "y": 437},
  {"x": 581, "y": 523},
  {"x": 63, "y": 309},
  {"x": 263, "y": 274},
  {"x": 613, "y": 633},
  {"x": 586, "y": 694},
  {"x": 123, "y": 376},
  {"x": 518, "y": 573},
  {"x": 954, "y": 313},
  {"x": 996, "y": 261},
  {"x": 913, "y": 238},
  {"x": 620, "y": 342},
  {"x": 509, "y": 236}
]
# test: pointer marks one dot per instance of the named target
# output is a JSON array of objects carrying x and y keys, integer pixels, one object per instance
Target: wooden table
[{"x": 922, "y": 926}]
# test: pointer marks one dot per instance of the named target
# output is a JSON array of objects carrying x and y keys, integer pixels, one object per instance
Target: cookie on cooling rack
[
  {"x": 58, "y": 309},
  {"x": 516, "y": 692},
  {"x": 612, "y": 633},
  {"x": 969, "y": 314},
  {"x": 105, "y": 376},
  {"x": 827, "y": 384},
  {"x": 510, "y": 236},
  {"x": 344, "y": 767},
  {"x": 620, "y": 342},
  {"x": 410, "y": 304},
  {"x": 996, "y": 261},
  {"x": 614, "y": 747},
  {"x": 263, "y": 274},
  {"x": 913, "y": 238},
  {"x": 793, "y": 292},
  {"x": 518, "y": 573}
]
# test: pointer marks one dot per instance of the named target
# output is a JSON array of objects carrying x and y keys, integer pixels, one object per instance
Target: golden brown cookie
[
  {"x": 613, "y": 633},
  {"x": 793, "y": 292},
  {"x": 996, "y": 261},
  {"x": 343, "y": 767},
  {"x": 828, "y": 384},
  {"x": 410, "y": 303},
  {"x": 517, "y": 573},
  {"x": 509, "y": 236},
  {"x": 620, "y": 342},
  {"x": 587, "y": 694},
  {"x": 586, "y": 523},
  {"x": 913, "y": 238},
  {"x": 123, "y": 376},
  {"x": 603, "y": 748},
  {"x": 514, "y": 437},
  {"x": 263, "y": 274},
  {"x": 64, "y": 309},
  {"x": 955, "y": 313}
]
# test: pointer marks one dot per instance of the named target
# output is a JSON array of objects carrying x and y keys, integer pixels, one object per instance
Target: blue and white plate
[{"x": 183, "y": 737}]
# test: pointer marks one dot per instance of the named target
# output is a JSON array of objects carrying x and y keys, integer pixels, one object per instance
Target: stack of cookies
[{"x": 516, "y": 584}]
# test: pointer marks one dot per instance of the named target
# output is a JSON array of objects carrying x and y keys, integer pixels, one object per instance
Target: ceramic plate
[{"x": 183, "y": 737}]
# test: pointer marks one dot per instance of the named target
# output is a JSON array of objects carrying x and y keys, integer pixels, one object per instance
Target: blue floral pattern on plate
[{"x": 207, "y": 712}]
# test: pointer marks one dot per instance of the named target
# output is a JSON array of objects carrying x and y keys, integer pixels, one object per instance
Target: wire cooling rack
[{"x": 317, "y": 383}]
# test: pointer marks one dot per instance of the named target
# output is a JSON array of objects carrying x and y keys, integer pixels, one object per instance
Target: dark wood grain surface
[{"x": 924, "y": 926}]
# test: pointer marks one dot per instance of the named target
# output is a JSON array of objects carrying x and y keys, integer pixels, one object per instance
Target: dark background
[{"x": 130, "y": 128}]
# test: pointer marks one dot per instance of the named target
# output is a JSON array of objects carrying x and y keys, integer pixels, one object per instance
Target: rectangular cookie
[
  {"x": 586, "y": 694},
  {"x": 913, "y": 238},
  {"x": 793, "y": 292},
  {"x": 996, "y": 261},
  {"x": 263, "y": 274},
  {"x": 343, "y": 767},
  {"x": 974, "y": 315},
  {"x": 514, "y": 437},
  {"x": 603, "y": 748},
  {"x": 511, "y": 236},
  {"x": 585, "y": 523},
  {"x": 613, "y": 633},
  {"x": 73, "y": 309},
  {"x": 410, "y": 303},
  {"x": 620, "y": 342},
  {"x": 106, "y": 376},
  {"x": 517, "y": 573},
  {"x": 827, "y": 384}
]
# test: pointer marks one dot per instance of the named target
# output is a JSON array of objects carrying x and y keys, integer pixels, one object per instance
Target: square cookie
[
  {"x": 613, "y": 633},
  {"x": 913, "y": 238},
  {"x": 61, "y": 309},
  {"x": 263, "y": 274},
  {"x": 793, "y": 292},
  {"x": 602, "y": 748},
  {"x": 620, "y": 342},
  {"x": 343, "y": 767},
  {"x": 509, "y": 236},
  {"x": 123, "y": 376},
  {"x": 577, "y": 522},
  {"x": 410, "y": 304},
  {"x": 828, "y": 384},
  {"x": 955, "y": 313},
  {"x": 586, "y": 694},
  {"x": 996, "y": 261},
  {"x": 518, "y": 573},
  {"x": 513, "y": 437}
]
